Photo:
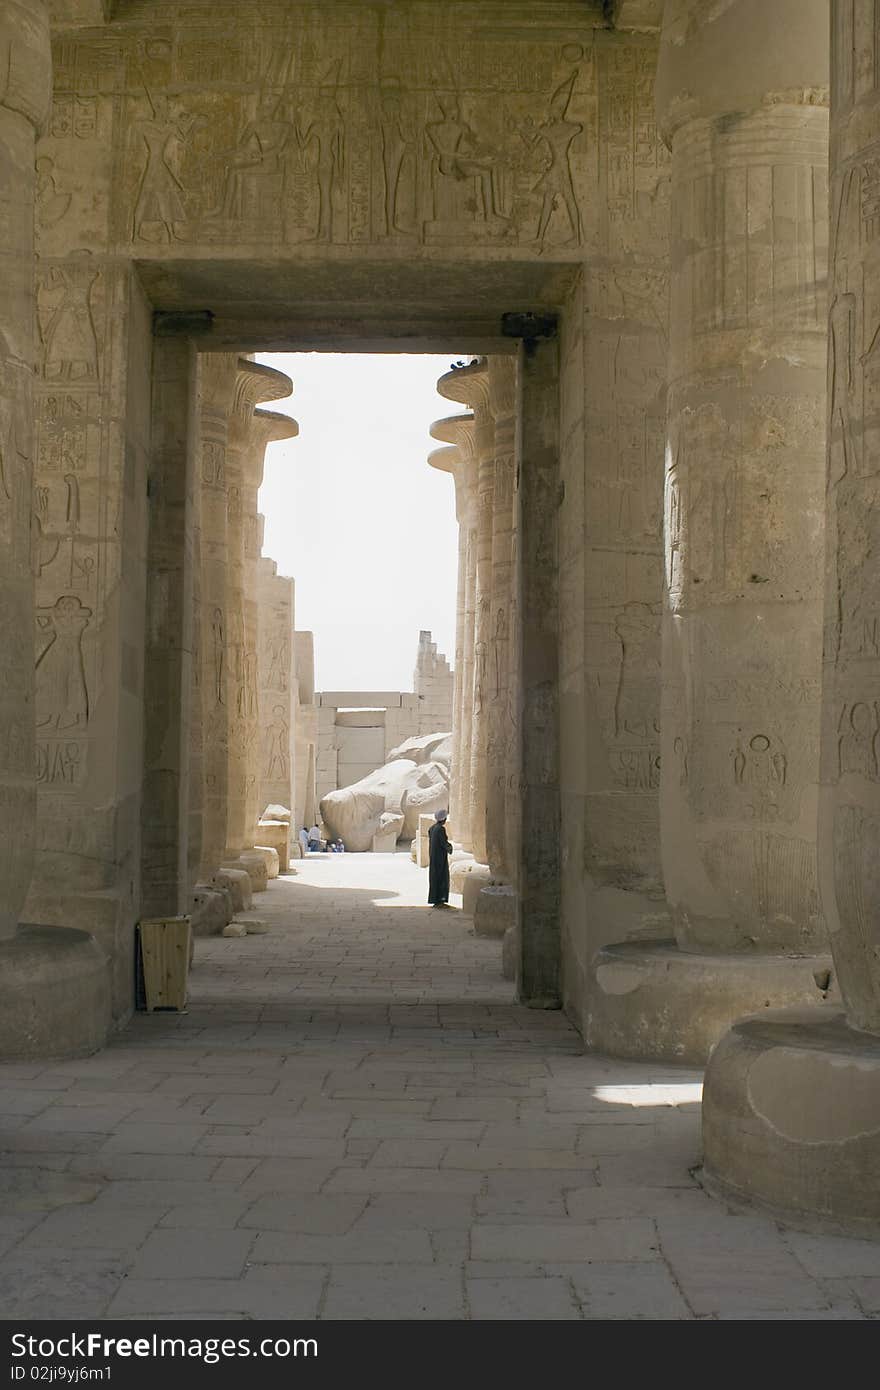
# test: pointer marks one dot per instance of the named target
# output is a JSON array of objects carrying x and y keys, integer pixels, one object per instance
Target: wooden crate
[{"x": 165, "y": 956}]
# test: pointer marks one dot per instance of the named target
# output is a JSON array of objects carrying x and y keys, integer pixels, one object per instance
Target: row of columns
[
  {"x": 246, "y": 643},
  {"x": 769, "y": 800}
]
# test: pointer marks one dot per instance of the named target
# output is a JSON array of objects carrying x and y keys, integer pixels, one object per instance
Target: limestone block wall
[
  {"x": 305, "y": 724},
  {"x": 432, "y": 686},
  {"x": 277, "y": 687},
  {"x": 358, "y": 729}
]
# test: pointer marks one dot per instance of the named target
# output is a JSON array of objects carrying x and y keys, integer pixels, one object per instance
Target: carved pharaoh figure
[
  {"x": 62, "y": 699},
  {"x": 70, "y": 346},
  {"x": 160, "y": 198}
]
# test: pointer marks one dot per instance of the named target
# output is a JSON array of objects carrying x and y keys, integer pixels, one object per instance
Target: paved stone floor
[{"x": 354, "y": 1120}]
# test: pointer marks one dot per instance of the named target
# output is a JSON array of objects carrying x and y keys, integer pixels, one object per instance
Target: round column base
[
  {"x": 210, "y": 909},
  {"x": 495, "y": 910},
  {"x": 270, "y": 858},
  {"x": 791, "y": 1119},
  {"x": 480, "y": 877},
  {"x": 651, "y": 1001},
  {"x": 54, "y": 994},
  {"x": 235, "y": 877},
  {"x": 253, "y": 863}
]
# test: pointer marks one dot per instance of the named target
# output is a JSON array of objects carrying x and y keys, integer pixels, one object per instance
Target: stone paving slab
[{"x": 354, "y": 1119}]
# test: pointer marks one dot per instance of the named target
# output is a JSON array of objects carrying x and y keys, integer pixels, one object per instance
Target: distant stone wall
[{"x": 357, "y": 729}]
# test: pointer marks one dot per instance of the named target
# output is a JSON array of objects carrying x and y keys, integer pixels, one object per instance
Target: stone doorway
[{"x": 191, "y": 348}]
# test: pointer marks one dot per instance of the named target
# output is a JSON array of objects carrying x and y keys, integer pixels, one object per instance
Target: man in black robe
[{"x": 439, "y": 850}]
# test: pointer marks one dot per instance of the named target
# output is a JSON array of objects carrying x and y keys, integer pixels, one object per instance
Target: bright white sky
[{"x": 355, "y": 515}]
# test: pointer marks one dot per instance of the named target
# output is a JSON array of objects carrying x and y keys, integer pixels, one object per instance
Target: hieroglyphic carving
[
  {"x": 67, "y": 323},
  {"x": 399, "y": 141},
  {"x": 858, "y": 741},
  {"x": 160, "y": 210},
  {"x": 218, "y": 652},
  {"x": 277, "y": 738},
  {"x": 300, "y": 132},
  {"x": 62, "y": 698},
  {"x": 52, "y": 203}
]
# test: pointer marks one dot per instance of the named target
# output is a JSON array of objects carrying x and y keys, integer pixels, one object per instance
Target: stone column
[
  {"x": 276, "y": 774},
  {"x": 502, "y": 726},
  {"x": 266, "y": 426},
  {"x": 792, "y": 1108},
  {"x": 167, "y": 664},
  {"x": 245, "y": 450},
  {"x": 495, "y": 908},
  {"x": 741, "y": 102},
  {"x": 460, "y": 460},
  {"x": 218, "y": 371},
  {"x": 54, "y": 985},
  {"x": 470, "y": 386},
  {"x": 536, "y": 503}
]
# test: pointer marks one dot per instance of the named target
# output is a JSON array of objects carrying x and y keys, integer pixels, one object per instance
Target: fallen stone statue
[{"x": 414, "y": 782}]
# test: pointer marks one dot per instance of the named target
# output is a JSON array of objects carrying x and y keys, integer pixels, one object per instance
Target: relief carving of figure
[
  {"x": 70, "y": 345},
  {"x": 458, "y": 156},
  {"x": 51, "y": 204},
  {"x": 278, "y": 741},
  {"x": 62, "y": 699},
  {"x": 321, "y": 141},
  {"x": 556, "y": 185},
  {"x": 255, "y": 168},
  {"x": 398, "y": 156},
  {"x": 160, "y": 209}
]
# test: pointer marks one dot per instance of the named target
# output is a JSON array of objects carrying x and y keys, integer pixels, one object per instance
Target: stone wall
[{"x": 358, "y": 729}]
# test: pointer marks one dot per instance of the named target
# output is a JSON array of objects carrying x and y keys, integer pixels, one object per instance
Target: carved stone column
[
  {"x": 537, "y": 499},
  {"x": 792, "y": 1102},
  {"x": 495, "y": 906},
  {"x": 277, "y": 778},
  {"x": 54, "y": 985},
  {"x": 169, "y": 629},
  {"x": 742, "y": 105},
  {"x": 502, "y": 726},
  {"x": 266, "y": 426},
  {"x": 460, "y": 460},
  {"x": 218, "y": 371},
  {"x": 254, "y": 382},
  {"x": 470, "y": 386}
]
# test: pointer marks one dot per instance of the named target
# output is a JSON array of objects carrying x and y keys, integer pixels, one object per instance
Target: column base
[
  {"x": 276, "y": 834},
  {"x": 460, "y": 865},
  {"x": 210, "y": 909},
  {"x": 54, "y": 994},
  {"x": 651, "y": 1001},
  {"x": 270, "y": 858},
  {"x": 495, "y": 910},
  {"x": 791, "y": 1119},
  {"x": 237, "y": 879},
  {"x": 479, "y": 877},
  {"x": 254, "y": 864}
]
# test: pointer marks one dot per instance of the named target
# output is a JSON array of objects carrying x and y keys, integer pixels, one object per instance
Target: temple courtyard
[{"x": 354, "y": 1119}]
